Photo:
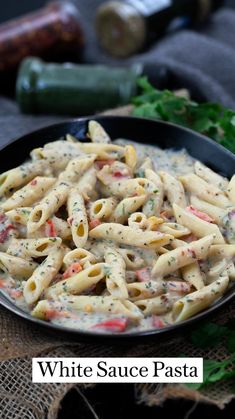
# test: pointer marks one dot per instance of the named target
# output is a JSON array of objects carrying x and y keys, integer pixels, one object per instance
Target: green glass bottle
[{"x": 73, "y": 89}]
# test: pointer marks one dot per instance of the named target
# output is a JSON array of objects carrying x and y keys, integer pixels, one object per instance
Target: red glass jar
[{"x": 52, "y": 32}]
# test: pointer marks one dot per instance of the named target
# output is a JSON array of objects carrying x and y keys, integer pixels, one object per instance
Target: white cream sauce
[{"x": 174, "y": 162}]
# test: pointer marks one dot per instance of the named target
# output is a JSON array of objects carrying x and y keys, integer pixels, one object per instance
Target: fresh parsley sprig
[
  {"x": 210, "y": 119},
  {"x": 209, "y": 335}
]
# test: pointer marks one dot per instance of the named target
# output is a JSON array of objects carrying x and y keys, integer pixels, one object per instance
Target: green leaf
[
  {"x": 214, "y": 371},
  {"x": 233, "y": 120},
  {"x": 208, "y": 335},
  {"x": 211, "y": 119}
]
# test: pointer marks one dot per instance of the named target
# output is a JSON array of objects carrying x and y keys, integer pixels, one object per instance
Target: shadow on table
[{"x": 117, "y": 401}]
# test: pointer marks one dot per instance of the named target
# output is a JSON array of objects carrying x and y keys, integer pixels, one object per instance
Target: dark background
[
  {"x": 117, "y": 401},
  {"x": 10, "y": 8}
]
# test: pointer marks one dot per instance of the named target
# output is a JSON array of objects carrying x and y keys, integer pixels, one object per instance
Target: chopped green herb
[{"x": 211, "y": 119}]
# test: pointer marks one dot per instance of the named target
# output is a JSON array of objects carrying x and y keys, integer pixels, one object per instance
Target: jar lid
[{"x": 120, "y": 28}]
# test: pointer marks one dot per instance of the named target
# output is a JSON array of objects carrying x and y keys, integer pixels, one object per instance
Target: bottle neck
[
  {"x": 124, "y": 28},
  {"x": 196, "y": 10}
]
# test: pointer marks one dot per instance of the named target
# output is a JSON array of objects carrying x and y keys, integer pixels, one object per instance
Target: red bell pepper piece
[
  {"x": 94, "y": 223},
  {"x": 73, "y": 269},
  {"x": 50, "y": 230},
  {"x": 157, "y": 322},
  {"x": 202, "y": 215},
  {"x": 143, "y": 274},
  {"x": 112, "y": 325}
]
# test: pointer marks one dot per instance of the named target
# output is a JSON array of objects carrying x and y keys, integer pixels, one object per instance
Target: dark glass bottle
[{"x": 124, "y": 28}]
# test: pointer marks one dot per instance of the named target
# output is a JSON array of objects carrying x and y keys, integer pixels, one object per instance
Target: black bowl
[{"x": 162, "y": 134}]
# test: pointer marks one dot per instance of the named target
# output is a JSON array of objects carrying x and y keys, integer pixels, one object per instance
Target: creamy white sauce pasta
[{"x": 115, "y": 237}]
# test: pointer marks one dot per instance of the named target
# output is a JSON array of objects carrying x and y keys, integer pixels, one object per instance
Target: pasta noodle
[
  {"x": 115, "y": 237},
  {"x": 190, "y": 305},
  {"x": 115, "y": 273},
  {"x": 28, "y": 248},
  {"x": 78, "y": 283},
  {"x": 126, "y": 207},
  {"x": 196, "y": 225},
  {"x": 79, "y": 255},
  {"x": 182, "y": 256},
  {"x": 48, "y": 206},
  {"x": 209, "y": 176},
  {"x": 96, "y": 133},
  {"x": 43, "y": 275},
  {"x": 173, "y": 189},
  {"x": 127, "y": 235},
  {"x": 77, "y": 217},
  {"x": 154, "y": 203},
  {"x": 30, "y": 193},
  {"x": 205, "y": 191},
  {"x": 16, "y": 266},
  {"x": 102, "y": 209},
  {"x": 92, "y": 304}
]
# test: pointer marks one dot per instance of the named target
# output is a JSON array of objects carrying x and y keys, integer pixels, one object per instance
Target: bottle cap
[{"x": 120, "y": 28}]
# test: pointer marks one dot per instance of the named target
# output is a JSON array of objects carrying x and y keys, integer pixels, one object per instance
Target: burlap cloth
[{"x": 20, "y": 341}]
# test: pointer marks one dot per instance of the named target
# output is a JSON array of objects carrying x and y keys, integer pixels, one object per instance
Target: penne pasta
[
  {"x": 30, "y": 193},
  {"x": 157, "y": 305},
  {"x": 28, "y": 248},
  {"x": 154, "y": 203},
  {"x": 77, "y": 217},
  {"x": 48, "y": 206},
  {"x": 142, "y": 290},
  {"x": 173, "y": 190},
  {"x": 138, "y": 220},
  {"x": 77, "y": 167},
  {"x": 102, "y": 150},
  {"x": 130, "y": 157},
  {"x": 81, "y": 256},
  {"x": 96, "y": 133},
  {"x": 217, "y": 214},
  {"x": 87, "y": 182},
  {"x": 126, "y": 207},
  {"x": 192, "y": 274},
  {"x": 19, "y": 176},
  {"x": 99, "y": 240},
  {"x": 102, "y": 209},
  {"x": 196, "y": 225},
  {"x": 127, "y": 235},
  {"x": 16, "y": 267},
  {"x": 97, "y": 304},
  {"x": 175, "y": 229},
  {"x": 205, "y": 191},
  {"x": 78, "y": 283},
  {"x": 115, "y": 270},
  {"x": 210, "y": 176},
  {"x": 222, "y": 251},
  {"x": 182, "y": 256},
  {"x": 197, "y": 301},
  {"x": 41, "y": 278},
  {"x": 125, "y": 188},
  {"x": 132, "y": 259}
]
